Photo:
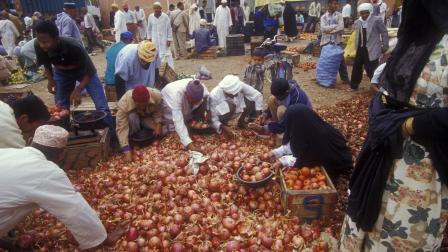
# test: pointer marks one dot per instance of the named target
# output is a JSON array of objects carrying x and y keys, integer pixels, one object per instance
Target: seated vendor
[
  {"x": 136, "y": 64},
  {"x": 312, "y": 141},
  {"x": 183, "y": 100},
  {"x": 139, "y": 108},
  {"x": 19, "y": 121},
  {"x": 230, "y": 99},
  {"x": 284, "y": 94},
  {"x": 202, "y": 38}
]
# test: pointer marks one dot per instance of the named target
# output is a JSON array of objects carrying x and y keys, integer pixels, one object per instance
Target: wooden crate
[
  {"x": 90, "y": 106},
  {"x": 10, "y": 93},
  {"x": 210, "y": 53},
  {"x": 87, "y": 152},
  {"x": 111, "y": 93},
  {"x": 316, "y": 51},
  {"x": 308, "y": 204},
  {"x": 294, "y": 56},
  {"x": 167, "y": 73}
]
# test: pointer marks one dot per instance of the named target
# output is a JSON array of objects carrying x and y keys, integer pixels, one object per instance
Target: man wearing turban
[
  {"x": 183, "y": 100},
  {"x": 136, "y": 64}
]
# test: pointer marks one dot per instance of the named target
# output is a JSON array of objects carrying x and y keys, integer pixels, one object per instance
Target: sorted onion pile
[
  {"x": 308, "y": 36},
  {"x": 305, "y": 178},
  {"x": 199, "y": 125},
  {"x": 171, "y": 210},
  {"x": 307, "y": 66},
  {"x": 297, "y": 49},
  {"x": 57, "y": 112}
]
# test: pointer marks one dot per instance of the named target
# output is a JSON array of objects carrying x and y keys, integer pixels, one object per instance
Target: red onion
[
  {"x": 132, "y": 234},
  {"x": 132, "y": 246},
  {"x": 177, "y": 247},
  {"x": 229, "y": 223},
  {"x": 233, "y": 246},
  {"x": 174, "y": 230}
]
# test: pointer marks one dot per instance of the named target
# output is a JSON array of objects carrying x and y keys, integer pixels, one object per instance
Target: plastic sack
[
  {"x": 275, "y": 9},
  {"x": 350, "y": 50},
  {"x": 328, "y": 65}
]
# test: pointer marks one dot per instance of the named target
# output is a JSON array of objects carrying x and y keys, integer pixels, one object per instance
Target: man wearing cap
[
  {"x": 223, "y": 22},
  {"x": 65, "y": 21},
  {"x": 371, "y": 42},
  {"x": 131, "y": 20},
  {"x": 285, "y": 93},
  {"x": 111, "y": 57},
  {"x": 139, "y": 108},
  {"x": 19, "y": 121},
  {"x": 160, "y": 33},
  {"x": 230, "y": 99},
  {"x": 31, "y": 178},
  {"x": 66, "y": 62},
  {"x": 114, "y": 9},
  {"x": 136, "y": 64},
  {"x": 183, "y": 100},
  {"x": 119, "y": 24},
  {"x": 202, "y": 38}
]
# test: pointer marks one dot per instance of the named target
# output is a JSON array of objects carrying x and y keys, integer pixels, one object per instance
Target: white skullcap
[
  {"x": 51, "y": 136},
  {"x": 365, "y": 7},
  {"x": 193, "y": 6},
  {"x": 224, "y": 1},
  {"x": 231, "y": 84},
  {"x": 203, "y": 22},
  {"x": 157, "y": 4}
]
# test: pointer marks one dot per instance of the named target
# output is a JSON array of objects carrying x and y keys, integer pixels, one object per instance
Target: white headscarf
[
  {"x": 365, "y": 7},
  {"x": 231, "y": 84}
]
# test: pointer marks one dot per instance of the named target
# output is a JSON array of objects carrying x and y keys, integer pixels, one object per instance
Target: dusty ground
[{"x": 236, "y": 65}]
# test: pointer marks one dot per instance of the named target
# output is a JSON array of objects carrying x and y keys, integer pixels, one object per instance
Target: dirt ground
[{"x": 235, "y": 65}]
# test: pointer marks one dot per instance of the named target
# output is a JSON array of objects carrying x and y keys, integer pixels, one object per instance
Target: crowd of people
[{"x": 398, "y": 190}]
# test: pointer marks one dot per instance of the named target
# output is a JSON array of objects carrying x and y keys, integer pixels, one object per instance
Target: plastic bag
[
  {"x": 328, "y": 65},
  {"x": 203, "y": 74},
  {"x": 196, "y": 159},
  {"x": 350, "y": 50}
]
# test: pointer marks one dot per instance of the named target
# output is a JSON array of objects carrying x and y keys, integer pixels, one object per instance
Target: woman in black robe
[
  {"x": 313, "y": 141},
  {"x": 289, "y": 20}
]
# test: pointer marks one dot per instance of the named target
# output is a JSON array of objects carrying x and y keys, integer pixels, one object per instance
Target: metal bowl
[
  {"x": 143, "y": 138},
  {"x": 90, "y": 120},
  {"x": 255, "y": 184}
]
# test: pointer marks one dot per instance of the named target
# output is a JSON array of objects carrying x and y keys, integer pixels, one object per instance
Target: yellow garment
[
  {"x": 152, "y": 115},
  {"x": 114, "y": 5},
  {"x": 350, "y": 50},
  {"x": 146, "y": 51}
]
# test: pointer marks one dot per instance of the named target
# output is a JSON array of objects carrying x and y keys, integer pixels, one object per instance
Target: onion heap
[
  {"x": 305, "y": 178},
  {"x": 57, "y": 112},
  {"x": 171, "y": 210},
  {"x": 199, "y": 125}
]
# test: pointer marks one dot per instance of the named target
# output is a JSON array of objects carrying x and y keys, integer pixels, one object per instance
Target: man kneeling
[{"x": 139, "y": 108}]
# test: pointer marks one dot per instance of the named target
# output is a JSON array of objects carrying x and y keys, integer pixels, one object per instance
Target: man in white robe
[
  {"x": 223, "y": 22},
  {"x": 119, "y": 24},
  {"x": 141, "y": 21},
  {"x": 161, "y": 34},
  {"x": 8, "y": 33},
  {"x": 195, "y": 19}
]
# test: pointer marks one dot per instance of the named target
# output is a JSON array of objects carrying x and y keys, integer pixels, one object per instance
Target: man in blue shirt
[
  {"x": 65, "y": 21},
  {"x": 202, "y": 37},
  {"x": 111, "y": 56}
]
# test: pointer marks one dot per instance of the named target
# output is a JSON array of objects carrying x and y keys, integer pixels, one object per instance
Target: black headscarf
[
  {"x": 289, "y": 20},
  {"x": 314, "y": 142},
  {"x": 423, "y": 25}
]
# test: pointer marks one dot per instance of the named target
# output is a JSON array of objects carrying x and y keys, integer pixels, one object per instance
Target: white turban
[
  {"x": 231, "y": 84},
  {"x": 157, "y": 4},
  {"x": 224, "y": 1},
  {"x": 51, "y": 136},
  {"x": 203, "y": 22},
  {"x": 365, "y": 7}
]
